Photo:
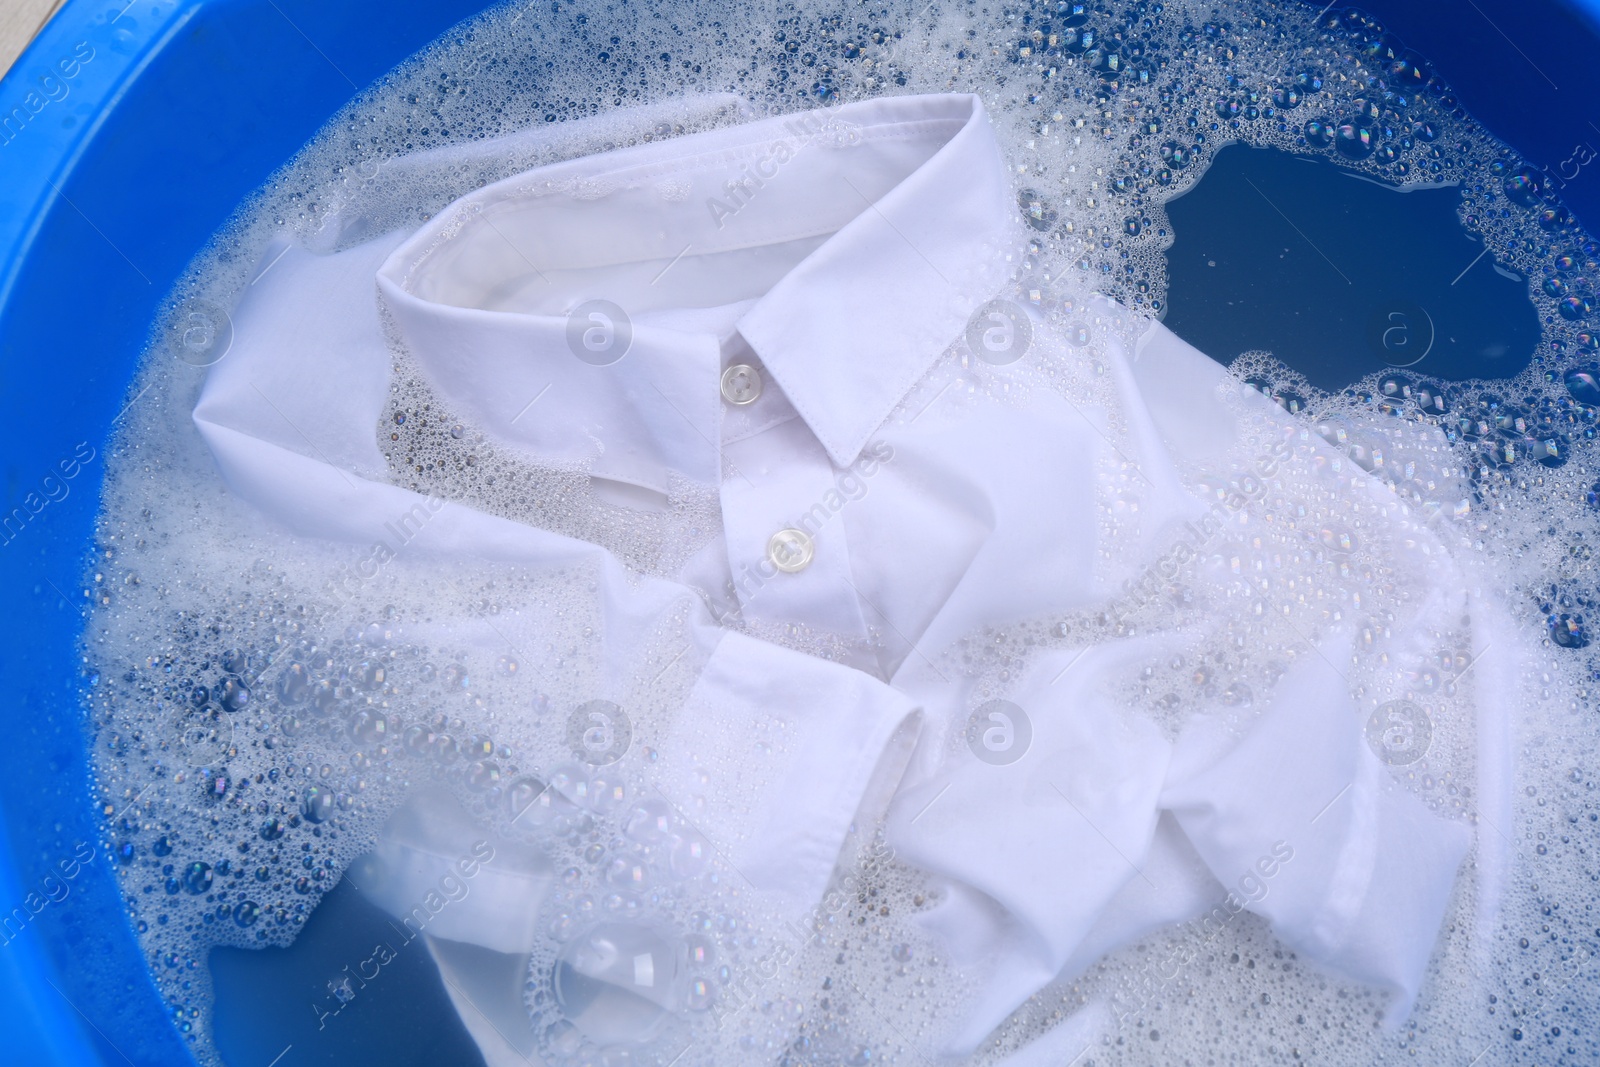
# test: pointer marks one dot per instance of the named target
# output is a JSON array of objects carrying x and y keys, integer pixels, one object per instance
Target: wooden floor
[{"x": 20, "y": 20}]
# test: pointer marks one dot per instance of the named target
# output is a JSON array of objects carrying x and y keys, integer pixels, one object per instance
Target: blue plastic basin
[
  {"x": 128, "y": 133},
  {"x": 148, "y": 123}
]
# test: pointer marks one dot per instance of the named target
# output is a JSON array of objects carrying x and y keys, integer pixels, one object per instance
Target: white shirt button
[
  {"x": 741, "y": 384},
  {"x": 791, "y": 550}
]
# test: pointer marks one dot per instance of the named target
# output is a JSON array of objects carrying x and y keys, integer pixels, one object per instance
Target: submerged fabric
[{"x": 844, "y": 257}]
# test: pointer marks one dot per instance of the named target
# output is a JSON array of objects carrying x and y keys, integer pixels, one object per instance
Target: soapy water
[{"x": 264, "y": 704}]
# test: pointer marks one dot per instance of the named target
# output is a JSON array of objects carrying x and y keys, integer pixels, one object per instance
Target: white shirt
[{"x": 960, "y": 476}]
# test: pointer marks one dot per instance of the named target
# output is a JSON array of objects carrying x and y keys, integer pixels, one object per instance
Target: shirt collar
[{"x": 847, "y": 246}]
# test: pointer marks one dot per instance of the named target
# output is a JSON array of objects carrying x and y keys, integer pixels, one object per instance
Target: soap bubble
[
  {"x": 572, "y": 781},
  {"x": 1318, "y": 133},
  {"x": 1035, "y": 211},
  {"x": 691, "y": 852},
  {"x": 1568, "y": 630},
  {"x": 197, "y": 878},
  {"x": 522, "y": 793},
  {"x": 232, "y": 693},
  {"x": 1523, "y": 186},
  {"x": 699, "y": 995},
  {"x": 214, "y": 782},
  {"x": 534, "y": 805},
  {"x": 617, "y": 983},
  {"x": 649, "y": 821},
  {"x": 626, "y": 872},
  {"x": 482, "y": 775},
  {"x": 1354, "y": 141},
  {"x": 294, "y": 685},
  {"x": 1583, "y": 384},
  {"x": 204, "y": 735},
  {"x": 371, "y": 727},
  {"x": 607, "y": 792},
  {"x": 316, "y": 803},
  {"x": 700, "y": 950}
]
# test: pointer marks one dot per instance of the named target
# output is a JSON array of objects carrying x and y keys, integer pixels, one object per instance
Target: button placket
[{"x": 784, "y": 566}]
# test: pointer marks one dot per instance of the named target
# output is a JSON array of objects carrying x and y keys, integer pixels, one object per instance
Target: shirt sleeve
[{"x": 1305, "y": 826}]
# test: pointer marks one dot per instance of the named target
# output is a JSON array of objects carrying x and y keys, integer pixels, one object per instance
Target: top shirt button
[{"x": 741, "y": 384}]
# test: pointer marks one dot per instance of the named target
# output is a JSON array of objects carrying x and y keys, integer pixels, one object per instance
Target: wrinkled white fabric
[
  {"x": 846, "y": 270},
  {"x": 1365, "y": 858},
  {"x": 1080, "y": 805}
]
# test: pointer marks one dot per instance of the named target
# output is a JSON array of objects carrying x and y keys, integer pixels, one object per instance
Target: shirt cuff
[
  {"x": 437, "y": 872},
  {"x": 771, "y": 757}
]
